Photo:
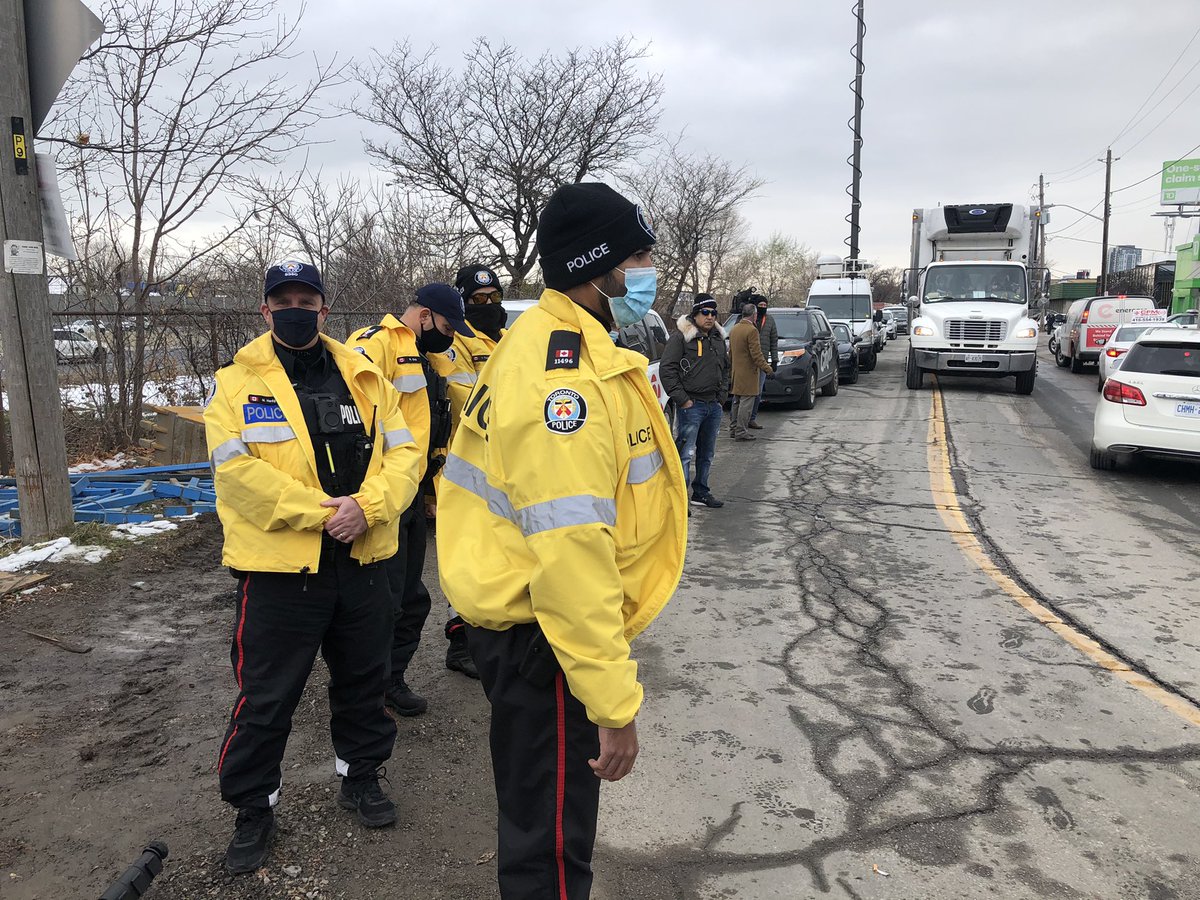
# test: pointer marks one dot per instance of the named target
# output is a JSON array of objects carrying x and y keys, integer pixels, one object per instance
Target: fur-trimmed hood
[{"x": 689, "y": 330}]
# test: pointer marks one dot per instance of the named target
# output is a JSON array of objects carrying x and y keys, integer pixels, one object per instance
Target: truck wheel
[
  {"x": 809, "y": 398},
  {"x": 870, "y": 362},
  {"x": 1025, "y": 381},
  {"x": 1076, "y": 362},
  {"x": 1059, "y": 360},
  {"x": 831, "y": 389},
  {"x": 853, "y": 378},
  {"x": 1101, "y": 459},
  {"x": 1052, "y": 346},
  {"x": 914, "y": 375}
]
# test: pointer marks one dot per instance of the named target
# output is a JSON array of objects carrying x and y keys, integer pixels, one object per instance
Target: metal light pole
[
  {"x": 1102, "y": 286},
  {"x": 855, "y": 159}
]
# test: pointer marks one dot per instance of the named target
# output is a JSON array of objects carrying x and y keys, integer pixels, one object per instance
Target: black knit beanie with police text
[{"x": 587, "y": 230}]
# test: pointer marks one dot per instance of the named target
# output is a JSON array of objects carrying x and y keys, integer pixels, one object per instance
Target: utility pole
[
  {"x": 31, "y": 371},
  {"x": 1102, "y": 287},
  {"x": 1042, "y": 228},
  {"x": 856, "y": 156}
]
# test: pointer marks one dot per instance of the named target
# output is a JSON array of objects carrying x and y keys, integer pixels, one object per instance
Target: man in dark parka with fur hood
[{"x": 695, "y": 373}]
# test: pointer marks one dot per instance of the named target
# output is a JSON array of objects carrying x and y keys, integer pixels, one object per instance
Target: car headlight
[
  {"x": 789, "y": 357},
  {"x": 1025, "y": 333},
  {"x": 923, "y": 331}
]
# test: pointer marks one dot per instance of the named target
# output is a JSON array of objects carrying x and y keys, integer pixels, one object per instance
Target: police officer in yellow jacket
[
  {"x": 313, "y": 464},
  {"x": 460, "y": 366},
  {"x": 402, "y": 348},
  {"x": 569, "y": 517}
]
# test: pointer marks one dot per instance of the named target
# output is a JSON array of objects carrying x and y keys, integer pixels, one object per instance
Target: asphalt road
[{"x": 923, "y": 652}]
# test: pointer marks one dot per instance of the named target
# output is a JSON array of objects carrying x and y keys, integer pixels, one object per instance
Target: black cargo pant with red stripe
[
  {"x": 541, "y": 740},
  {"x": 283, "y": 620}
]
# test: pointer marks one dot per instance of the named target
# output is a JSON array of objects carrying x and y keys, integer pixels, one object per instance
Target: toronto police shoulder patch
[
  {"x": 370, "y": 332},
  {"x": 565, "y": 411}
]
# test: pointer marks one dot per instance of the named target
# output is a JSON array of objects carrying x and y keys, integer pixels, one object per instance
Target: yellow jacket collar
[
  {"x": 260, "y": 355},
  {"x": 607, "y": 358}
]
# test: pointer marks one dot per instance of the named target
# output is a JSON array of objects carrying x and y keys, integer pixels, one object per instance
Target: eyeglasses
[
  {"x": 481, "y": 297},
  {"x": 706, "y": 312}
]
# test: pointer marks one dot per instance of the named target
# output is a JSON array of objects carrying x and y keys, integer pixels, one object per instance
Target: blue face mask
[{"x": 641, "y": 287}]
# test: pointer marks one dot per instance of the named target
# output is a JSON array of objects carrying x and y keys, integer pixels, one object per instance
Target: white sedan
[
  {"x": 1118, "y": 345},
  {"x": 1151, "y": 406}
]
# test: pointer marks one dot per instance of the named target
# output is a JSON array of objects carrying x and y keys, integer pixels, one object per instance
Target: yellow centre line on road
[{"x": 945, "y": 498}]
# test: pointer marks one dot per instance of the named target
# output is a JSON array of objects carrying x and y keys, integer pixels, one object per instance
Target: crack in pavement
[{"x": 870, "y": 709}]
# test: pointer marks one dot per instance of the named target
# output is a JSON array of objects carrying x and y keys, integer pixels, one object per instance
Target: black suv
[{"x": 808, "y": 357}]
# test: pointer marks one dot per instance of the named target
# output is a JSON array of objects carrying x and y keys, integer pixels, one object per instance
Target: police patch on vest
[
  {"x": 260, "y": 413},
  {"x": 408, "y": 360},
  {"x": 563, "y": 352},
  {"x": 451, "y": 354},
  {"x": 256, "y": 398},
  {"x": 481, "y": 358},
  {"x": 373, "y": 330},
  {"x": 565, "y": 411}
]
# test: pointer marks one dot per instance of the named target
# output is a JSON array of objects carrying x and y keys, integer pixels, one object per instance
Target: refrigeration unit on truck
[
  {"x": 968, "y": 289},
  {"x": 841, "y": 290}
]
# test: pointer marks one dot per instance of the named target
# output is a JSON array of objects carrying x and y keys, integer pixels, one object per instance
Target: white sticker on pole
[
  {"x": 23, "y": 258},
  {"x": 56, "y": 229}
]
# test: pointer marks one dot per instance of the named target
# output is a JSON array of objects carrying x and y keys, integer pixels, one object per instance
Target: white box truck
[{"x": 968, "y": 289}]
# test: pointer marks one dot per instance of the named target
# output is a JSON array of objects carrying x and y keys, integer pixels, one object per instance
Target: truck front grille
[{"x": 976, "y": 332}]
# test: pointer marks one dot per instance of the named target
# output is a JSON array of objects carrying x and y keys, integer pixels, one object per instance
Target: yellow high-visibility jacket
[
  {"x": 268, "y": 494},
  {"x": 392, "y": 346},
  {"x": 460, "y": 366},
  {"x": 563, "y": 502}
]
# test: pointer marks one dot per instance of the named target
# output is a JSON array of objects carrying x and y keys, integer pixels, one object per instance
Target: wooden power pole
[
  {"x": 30, "y": 368},
  {"x": 1102, "y": 287}
]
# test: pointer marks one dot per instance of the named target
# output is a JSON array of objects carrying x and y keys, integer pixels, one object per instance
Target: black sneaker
[
  {"x": 364, "y": 796},
  {"x": 707, "y": 500},
  {"x": 252, "y": 835},
  {"x": 404, "y": 700},
  {"x": 458, "y": 658}
]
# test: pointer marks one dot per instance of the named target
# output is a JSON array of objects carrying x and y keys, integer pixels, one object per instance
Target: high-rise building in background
[{"x": 1123, "y": 257}]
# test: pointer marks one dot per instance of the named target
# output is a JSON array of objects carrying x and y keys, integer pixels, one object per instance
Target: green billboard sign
[{"x": 1180, "y": 182}]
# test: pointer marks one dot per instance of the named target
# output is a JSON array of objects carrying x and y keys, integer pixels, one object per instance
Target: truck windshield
[
  {"x": 843, "y": 306},
  {"x": 1004, "y": 284}
]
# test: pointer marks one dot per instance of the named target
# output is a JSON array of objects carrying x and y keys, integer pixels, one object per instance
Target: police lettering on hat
[{"x": 587, "y": 230}]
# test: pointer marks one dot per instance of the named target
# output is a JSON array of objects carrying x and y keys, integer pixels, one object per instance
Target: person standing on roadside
[
  {"x": 570, "y": 525},
  {"x": 747, "y": 362},
  {"x": 401, "y": 347},
  {"x": 313, "y": 464},
  {"x": 768, "y": 338},
  {"x": 460, "y": 366},
  {"x": 695, "y": 373}
]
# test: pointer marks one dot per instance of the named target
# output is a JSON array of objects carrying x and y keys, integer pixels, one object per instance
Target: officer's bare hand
[
  {"x": 688, "y": 405},
  {"x": 349, "y": 522},
  {"x": 618, "y": 750}
]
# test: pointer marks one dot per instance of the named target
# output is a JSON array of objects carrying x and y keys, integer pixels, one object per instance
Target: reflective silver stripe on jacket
[
  {"x": 396, "y": 438},
  {"x": 642, "y": 468},
  {"x": 268, "y": 434},
  {"x": 462, "y": 378},
  {"x": 406, "y": 384},
  {"x": 228, "y": 450},
  {"x": 562, "y": 512}
]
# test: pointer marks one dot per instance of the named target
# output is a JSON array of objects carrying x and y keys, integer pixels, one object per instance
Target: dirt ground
[{"x": 104, "y": 751}]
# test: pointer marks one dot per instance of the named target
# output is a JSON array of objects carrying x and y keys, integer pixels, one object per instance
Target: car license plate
[
  {"x": 1188, "y": 410},
  {"x": 974, "y": 357}
]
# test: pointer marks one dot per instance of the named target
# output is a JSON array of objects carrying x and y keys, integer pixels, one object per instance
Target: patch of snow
[
  {"x": 57, "y": 550},
  {"x": 102, "y": 465},
  {"x": 131, "y": 531}
]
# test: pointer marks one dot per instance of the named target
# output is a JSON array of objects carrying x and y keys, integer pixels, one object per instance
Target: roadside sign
[
  {"x": 1180, "y": 182},
  {"x": 55, "y": 226},
  {"x": 56, "y": 34}
]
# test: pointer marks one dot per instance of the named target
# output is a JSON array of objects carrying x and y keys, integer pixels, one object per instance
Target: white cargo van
[{"x": 1090, "y": 323}]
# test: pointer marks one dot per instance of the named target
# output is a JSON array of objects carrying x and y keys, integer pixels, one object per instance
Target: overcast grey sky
[{"x": 965, "y": 102}]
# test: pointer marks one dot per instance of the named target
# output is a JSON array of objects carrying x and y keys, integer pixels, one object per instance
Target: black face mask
[
  {"x": 487, "y": 317},
  {"x": 430, "y": 340},
  {"x": 294, "y": 326}
]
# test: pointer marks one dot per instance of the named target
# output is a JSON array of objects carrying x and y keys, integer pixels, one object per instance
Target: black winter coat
[{"x": 695, "y": 366}]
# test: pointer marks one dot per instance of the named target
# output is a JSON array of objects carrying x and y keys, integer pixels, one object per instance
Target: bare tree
[
  {"x": 693, "y": 199},
  {"x": 781, "y": 268},
  {"x": 173, "y": 110},
  {"x": 887, "y": 285},
  {"x": 498, "y": 138}
]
